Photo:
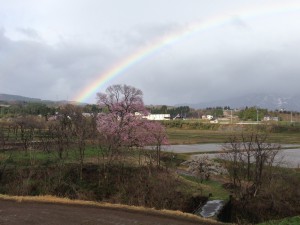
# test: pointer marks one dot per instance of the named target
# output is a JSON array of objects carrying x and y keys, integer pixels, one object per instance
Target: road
[{"x": 33, "y": 213}]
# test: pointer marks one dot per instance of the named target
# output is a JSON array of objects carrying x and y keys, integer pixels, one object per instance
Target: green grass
[
  {"x": 194, "y": 136},
  {"x": 209, "y": 187},
  {"x": 184, "y": 136},
  {"x": 287, "y": 221},
  {"x": 285, "y": 138},
  {"x": 22, "y": 158}
]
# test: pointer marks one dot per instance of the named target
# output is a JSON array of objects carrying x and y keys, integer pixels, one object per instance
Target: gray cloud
[
  {"x": 202, "y": 77},
  {"x": 29, "y": 32},
  {"x": 55, "y": 49},
  {"x": 36, "y": 69}
]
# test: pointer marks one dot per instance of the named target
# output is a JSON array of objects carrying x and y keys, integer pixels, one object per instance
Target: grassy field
[
  {"x": 191, "y": 136},
  {"x": 20, "y": 157},
  {"x": 194, "y": 136},
  {"x": 287, "y": 221}
]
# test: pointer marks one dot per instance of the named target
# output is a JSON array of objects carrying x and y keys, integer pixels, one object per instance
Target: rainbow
[{"x": 172, "y": 38}]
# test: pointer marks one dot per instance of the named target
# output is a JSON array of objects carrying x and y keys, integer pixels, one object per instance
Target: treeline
[
  {"x": 247, "y": 114},
  {"x": 182, "y": 111},
  {"x": 186, "y": 111},
  {"x": 15, "y": 109},
  {"x": 253, "y": 114},
  {"x": 26, "y": 108}
]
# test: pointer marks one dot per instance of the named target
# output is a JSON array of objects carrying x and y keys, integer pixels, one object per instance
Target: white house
[
  {"x": 158, "y": 117},
  {"x": 209, "y": 117},
  {"x": 270, "y": 118},
  {"x": 155, "y": 116}
]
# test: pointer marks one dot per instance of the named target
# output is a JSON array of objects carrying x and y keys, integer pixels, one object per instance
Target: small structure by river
[{"x": 211, "y": 208}]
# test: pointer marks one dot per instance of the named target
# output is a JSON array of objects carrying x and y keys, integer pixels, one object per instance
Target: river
[{"x": 289, "y": 156}]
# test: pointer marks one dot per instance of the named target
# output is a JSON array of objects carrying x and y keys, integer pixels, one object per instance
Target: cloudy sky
[{"x": 56, "y": 49}]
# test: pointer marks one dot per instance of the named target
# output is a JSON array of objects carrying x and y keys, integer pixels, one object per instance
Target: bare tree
[
  {"x": 249, "y": 160},
  {"x": 81, "y": 130},
  {"x": 2, "y": 138},
  {"x": 60, "y": 137},
  {"x": 27, "y": 128},
  {"x": 122, "y": 99}
]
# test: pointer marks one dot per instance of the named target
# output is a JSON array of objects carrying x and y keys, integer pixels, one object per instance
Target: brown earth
[{"x": 28, "y": 212}]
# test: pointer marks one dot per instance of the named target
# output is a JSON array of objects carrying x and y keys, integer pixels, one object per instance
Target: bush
[{"x": 142, "y": 186}]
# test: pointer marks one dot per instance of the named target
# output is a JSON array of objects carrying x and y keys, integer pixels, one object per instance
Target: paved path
[{"x": 32, "y": 213}]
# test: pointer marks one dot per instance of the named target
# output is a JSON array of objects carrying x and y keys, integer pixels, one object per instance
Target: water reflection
[{"x": 288, "y": 157}]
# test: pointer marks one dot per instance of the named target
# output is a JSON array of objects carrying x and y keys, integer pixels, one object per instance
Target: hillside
[
  {"x": 18, "y": 98},
  {"x": 268, "y": 101},
  {"x": 14, "y": 98}
]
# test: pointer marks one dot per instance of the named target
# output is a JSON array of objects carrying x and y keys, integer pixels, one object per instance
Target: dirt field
[{"x": 31, "y": 213}]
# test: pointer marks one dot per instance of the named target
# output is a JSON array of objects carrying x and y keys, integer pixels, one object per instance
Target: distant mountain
[
  {"x": 17, "y": 98},
  {"x": 268, "y": 101}
]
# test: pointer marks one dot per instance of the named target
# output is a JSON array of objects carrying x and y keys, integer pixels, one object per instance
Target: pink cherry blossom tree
[{"x": 121, "y": 124}]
